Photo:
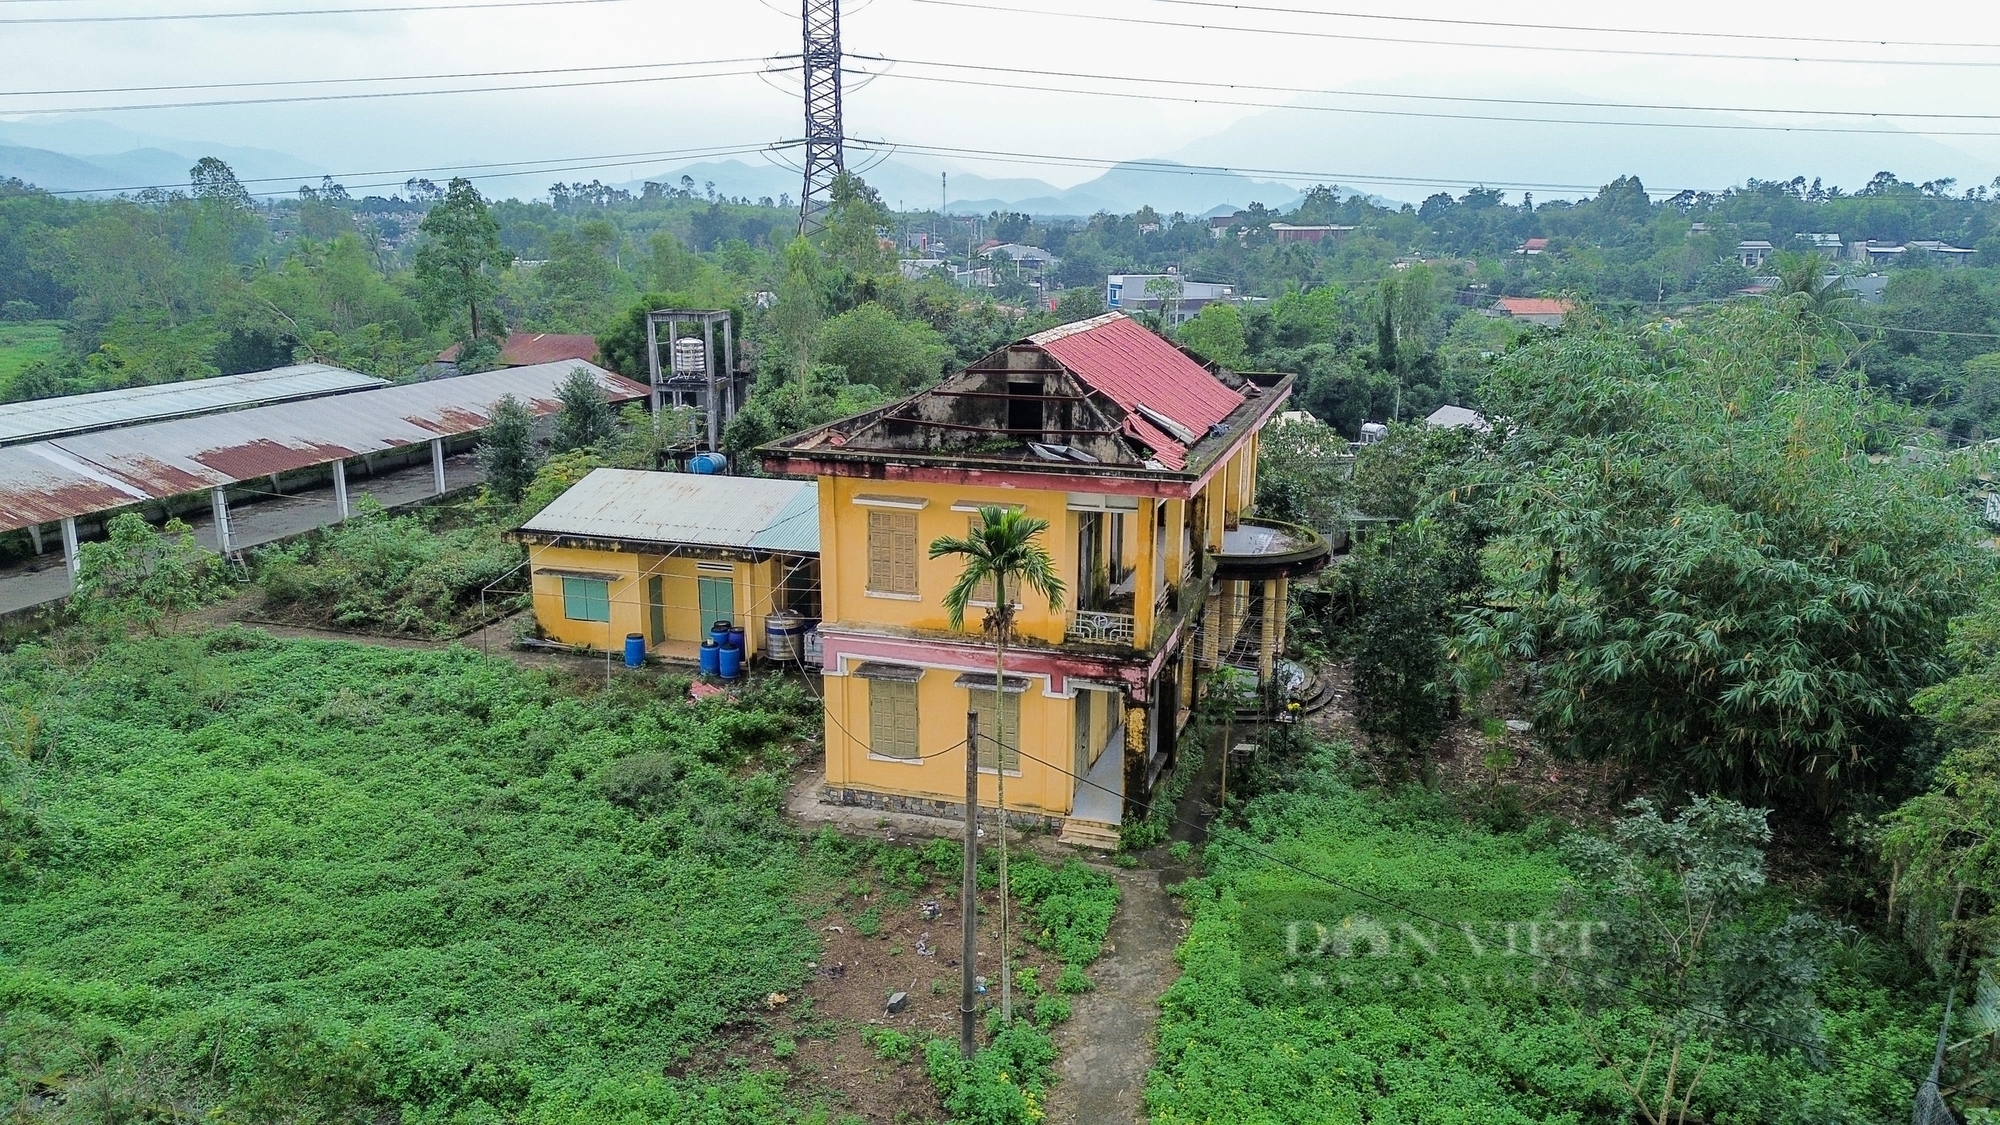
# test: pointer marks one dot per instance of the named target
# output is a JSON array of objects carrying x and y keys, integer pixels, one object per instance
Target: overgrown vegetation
[
  {"x": 1307, "y": 997},
  {"x": 326, "y": 882}
]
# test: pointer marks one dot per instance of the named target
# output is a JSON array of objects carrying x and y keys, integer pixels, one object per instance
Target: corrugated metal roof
[
  {"x": 795, "y": 529},
  {"x": 744, "y": 513},
  {"x": 525, "y": 349},
  {"x": 1121, "y": 359},
  {"x": 165, "y": 459},
  {"x": 38, "y": 419}
]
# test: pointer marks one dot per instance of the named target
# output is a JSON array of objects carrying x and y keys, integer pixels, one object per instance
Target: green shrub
[
  {"x": 1072, "y": 981},
  {"x": 890, "y": 1045},
  {"x": 868, "y": 923},
  {"x": 1002, "y": 1085},
  {"x": 1051, "y": 1008},
  {"x": 1072, "y": 906},
  {"x": 389, "y": 574}
]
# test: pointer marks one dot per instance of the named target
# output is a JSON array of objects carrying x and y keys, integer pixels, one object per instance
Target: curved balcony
[{"x": 1258, "y": 548}]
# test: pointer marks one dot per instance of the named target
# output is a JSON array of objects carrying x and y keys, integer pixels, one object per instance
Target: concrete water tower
[{"x": 699, "y": 365}]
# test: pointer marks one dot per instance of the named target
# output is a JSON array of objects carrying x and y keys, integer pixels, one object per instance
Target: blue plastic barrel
[
  {"x": 718, "y": 632},
  {"x": 711, "y": 658},
  {"x": 708, "y": 463},
  {"x": 730, "y": 659},
  {"x": 635, "y": 650},
  {"x": 736, "y": 637}
]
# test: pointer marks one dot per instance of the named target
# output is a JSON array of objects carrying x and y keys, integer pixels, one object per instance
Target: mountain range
[{"x": 83, "y": 155}]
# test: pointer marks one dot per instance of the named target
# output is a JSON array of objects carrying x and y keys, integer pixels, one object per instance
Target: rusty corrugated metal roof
[
  {"x": 1121, "y": 359},
  {"x": 163, "y": 459},
  {"x": 744, "y": 513},
  {"x": 525, "y": 349},
  {"x": 43, "y": 418}
]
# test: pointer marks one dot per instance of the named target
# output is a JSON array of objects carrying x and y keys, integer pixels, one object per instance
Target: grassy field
[
  {"x": 1305, "y": 1002},
  {"x": 296, "y": 881},
  {"x": 22, "y": 343}
]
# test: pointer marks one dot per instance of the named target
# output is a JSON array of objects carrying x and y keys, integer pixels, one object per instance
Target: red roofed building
[
  {"x": 526, "y": 349},
  {"x": 1533, "y": 246},
  {"x": 1142, "y": 460},
  {"x": 1548, "y": 311}
]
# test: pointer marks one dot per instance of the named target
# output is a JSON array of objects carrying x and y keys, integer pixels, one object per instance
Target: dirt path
[{"x": 1107, "y": 1045}]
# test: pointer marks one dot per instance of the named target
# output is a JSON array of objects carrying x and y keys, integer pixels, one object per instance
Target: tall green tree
[
  {"x": 1002, "y": 551},
  {"x": 878, "y": 348},
  {"x": 586, "y": 417},
  {"x": 457, "y": 267},
  {"x": 800, "y": 309},
  {"x": 1669, "y": 960},
  {"x": 507, "y": 449},
  {"x": 1715, "y": 582}
]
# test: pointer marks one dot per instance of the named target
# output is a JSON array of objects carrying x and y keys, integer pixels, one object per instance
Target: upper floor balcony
[{"x": 1258, "y": 549}]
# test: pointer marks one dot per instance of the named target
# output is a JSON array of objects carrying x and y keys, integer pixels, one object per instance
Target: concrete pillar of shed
[
  {"x": 340, "y": 488},
  {"x": 437, "y": 465},
  {"x": 70, "y": 560},
  {"x": 35, "y": 536},
  {"x": 277, "y": 489},
  {"x": 218, "y": 502}
]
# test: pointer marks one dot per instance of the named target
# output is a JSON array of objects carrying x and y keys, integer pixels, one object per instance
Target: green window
[
  {"x": 586, "y": 599},
  {"x": 892, "y": 718},
  {"x": 1006, "y": 729}
]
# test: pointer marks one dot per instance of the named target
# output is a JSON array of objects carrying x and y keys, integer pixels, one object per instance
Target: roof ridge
[{"x": 1074, "y": 328}]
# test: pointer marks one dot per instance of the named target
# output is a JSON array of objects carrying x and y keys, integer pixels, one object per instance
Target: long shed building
[{"x": 83, "y": 474}]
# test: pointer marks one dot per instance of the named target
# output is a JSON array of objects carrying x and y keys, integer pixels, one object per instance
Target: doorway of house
[
  {"x": 717, "y": 597},
  {"x": 656, "y": 609}
]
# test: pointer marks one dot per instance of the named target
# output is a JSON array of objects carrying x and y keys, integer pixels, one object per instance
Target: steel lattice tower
[{"x": 824, "y": 159}]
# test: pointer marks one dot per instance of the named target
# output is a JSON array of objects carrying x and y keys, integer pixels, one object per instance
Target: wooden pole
[{"x": 968, "y": 904}]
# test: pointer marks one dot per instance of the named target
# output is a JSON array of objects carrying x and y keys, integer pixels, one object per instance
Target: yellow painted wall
[
  {"x": 844, "y": 554},
  {"x": 754, "y": 586},
  {"x": 1047, "y": 734}
]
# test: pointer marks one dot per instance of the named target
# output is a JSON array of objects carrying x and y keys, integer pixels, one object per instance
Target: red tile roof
[
  {"x": 1120, "y": 359},
  {"x": 1535, "y": 244},
  {"x": 1533, "y": 306},
  {"x": 525, "y": 349}
]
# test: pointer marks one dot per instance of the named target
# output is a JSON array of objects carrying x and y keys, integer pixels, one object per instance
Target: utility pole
[
  {"x": 968, "y": 895},
  {"x": 824, "y": 158}
]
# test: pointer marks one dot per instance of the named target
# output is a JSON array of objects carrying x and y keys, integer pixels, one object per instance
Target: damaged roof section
[
  {"x": 1106, "y": 392},
  {"x": 88, "y": 473}
]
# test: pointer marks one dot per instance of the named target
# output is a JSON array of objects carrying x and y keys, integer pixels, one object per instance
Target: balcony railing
[{"x": 1102, "y": 627}]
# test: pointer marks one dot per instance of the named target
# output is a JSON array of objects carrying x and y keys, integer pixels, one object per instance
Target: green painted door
[
  {"x": 718, "y": 600},
  {"x": 656, "y": 607}
]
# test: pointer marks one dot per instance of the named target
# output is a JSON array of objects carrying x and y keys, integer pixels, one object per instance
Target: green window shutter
[
  {"x": 586, "y": 599},
  {"x": 1006, "y": 729},
  {"x": 892, "y": 552},
  {"x": 892, "y": 718}
]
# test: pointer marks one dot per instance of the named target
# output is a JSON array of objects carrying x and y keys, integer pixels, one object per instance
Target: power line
[
  {"x": 1222, "y": 170},
  {"x": 1920, "y": 331},
  {"x": 382, "y": 78},
  {"x": 1295, "y": 33},
  {"x": 1193, "y": 100},
  {"x": 1557, "y": 102},
  {"x": 390, "y": 93},
  {"x": 160, "y": 17},
  {"x": 1579, "y": 27},
  {"x": 550, "y": 164}
]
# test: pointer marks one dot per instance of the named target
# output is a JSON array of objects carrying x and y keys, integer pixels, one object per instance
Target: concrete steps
[{"x": 1088, "y": 834}]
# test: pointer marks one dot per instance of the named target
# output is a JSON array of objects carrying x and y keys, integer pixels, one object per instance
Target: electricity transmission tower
[{"x": 824, "y": 159}]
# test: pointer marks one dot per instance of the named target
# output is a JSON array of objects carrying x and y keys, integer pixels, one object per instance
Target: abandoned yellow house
[
  {"x": 1143, "y": 461},
  {"x": 666, "y": 554}
]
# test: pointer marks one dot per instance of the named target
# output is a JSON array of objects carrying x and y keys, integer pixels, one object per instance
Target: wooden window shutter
[
  {"x": 1006, "y": 729},
  {"x": 892, "y": 718},
  {"x": 984, "y": 591},
  {"x": 892, "y": 552}
]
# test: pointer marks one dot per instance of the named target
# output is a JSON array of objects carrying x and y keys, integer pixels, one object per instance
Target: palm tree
[
  {"x": 1808, "y": 276},
  {"x": 1001, "y": 550}
]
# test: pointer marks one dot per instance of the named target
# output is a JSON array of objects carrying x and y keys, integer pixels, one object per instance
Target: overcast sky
[{"x": 588, "y": 124}]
